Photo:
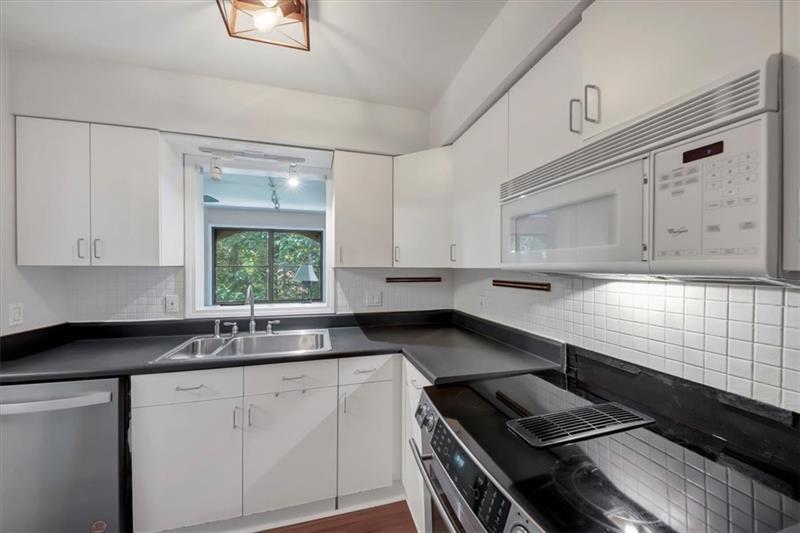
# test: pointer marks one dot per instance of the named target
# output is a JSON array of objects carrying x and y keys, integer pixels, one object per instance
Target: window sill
[{"x": 262, "y": 310}]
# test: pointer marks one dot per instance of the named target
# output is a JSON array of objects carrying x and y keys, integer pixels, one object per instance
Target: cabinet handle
[
  {"x": 250, "y": 415},
  {"x": 340, "y": 255},
  {"x": 97, "y": 248},
  {"x": 293, "y": 378},
  {"x": 345, "y": 403},
  {"x": 572, "y": 103},
  {"x": 234, "y": 416},
  {"x": 81, "y": 242},
  {"x": 396, "y": 254},
  {"x": 595, "y": 116},
  {"x": 415, "y": 384},
  {"x": 452, "y": 253},
  {"x": 367, "y": 371},
  {"x": 184, "y": 389}
]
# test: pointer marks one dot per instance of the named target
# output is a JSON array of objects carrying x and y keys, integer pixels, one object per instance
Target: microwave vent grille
[{"x": 733, "y": 99}]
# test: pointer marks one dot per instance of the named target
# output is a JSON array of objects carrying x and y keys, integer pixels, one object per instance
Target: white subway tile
[
  {"x": 766, "y": 393},
  {"x": 769, "y": 295},
  {"x": 742, "y": 294},
  {"x": 717, "y": 292},
  {"x": 791, "y": 380},
  {"x": 740, "y": 368},
  {"x": 716, "y": 326},
  {"x": 692, "y": 290},
  {"x": 694, "y": 373},
  {"x": 771, "y": 375},
  {"x": 717, "y": 345},
  {"x": 716, "y": 309},
  {"x": 791, "y": 358},
  {"x": 791, "y": 338},
  {"x": 742, "y": 387},
  {"x": 715, "y": 362},
  {"x": 714, "y": 379},
  {"x": 694, "y": 307},
  {"x": 766, "y": 354},
  {"x": 765, "y": 334},
  {"x": 692, "y": 356},
  {"x": 741, "y": 311},
  {"x": 740, "y": 349},
  {"x": 769, "y": 314},
  {"x": 793, "y": 297},
  {"x": 790, "y": 400}
]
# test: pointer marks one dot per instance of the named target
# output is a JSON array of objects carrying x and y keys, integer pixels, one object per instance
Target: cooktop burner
[{"x": 634, "y": 481}]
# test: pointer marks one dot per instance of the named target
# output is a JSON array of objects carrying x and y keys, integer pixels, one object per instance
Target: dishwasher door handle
[
  {"x": 71, "y": 402},
  {"x": 448, "y": 520}
]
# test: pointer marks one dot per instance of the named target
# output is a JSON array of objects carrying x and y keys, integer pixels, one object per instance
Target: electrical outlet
[
  {"x": 15, "y": 314},
  {"x": 374, "y": 299},
  {"x": 172, "y": 303}
]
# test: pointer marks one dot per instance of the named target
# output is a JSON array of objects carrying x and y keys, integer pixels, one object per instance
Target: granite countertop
[{"x": 443, "y": 353}]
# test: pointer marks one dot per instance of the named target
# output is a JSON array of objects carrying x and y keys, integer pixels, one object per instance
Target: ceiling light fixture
[
  {"x": 216, "y": 169},
  {"x": 280, "y": 22},
  {"x": 294, "y": 180}
]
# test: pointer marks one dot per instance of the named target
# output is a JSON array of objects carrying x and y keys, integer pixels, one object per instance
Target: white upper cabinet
[
  {"x": 53, "y": 183},
  {"x": 362, "y": 200},
  {"x": 423, "y": 186},
  {"x": 791, "y": 135},
  {"x": 96, "y": 194},
  {"x": 638, "y": 56},
  {"x": 545, "y": 108},
  {"x": 480, "y": 165}
]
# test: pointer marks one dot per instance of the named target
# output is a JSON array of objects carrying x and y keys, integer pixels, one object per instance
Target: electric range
[{"x": 481, "y": 476}]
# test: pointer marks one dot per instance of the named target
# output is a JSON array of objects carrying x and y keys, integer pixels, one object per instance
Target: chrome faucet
[
  {"x": 249, "y": 298},
  {"x": 269, "y": 325}
]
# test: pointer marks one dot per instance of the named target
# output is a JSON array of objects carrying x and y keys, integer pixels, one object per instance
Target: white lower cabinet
[
  {"x": 413, "y": 382},
  {"x": 187, "y": 463},
  {"x": 289, "y": 449},
  {"x": 213, "y": 445},
  {"x": 367, "y": 415}
]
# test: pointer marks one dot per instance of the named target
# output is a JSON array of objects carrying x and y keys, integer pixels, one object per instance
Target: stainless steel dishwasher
[{"x": 60, "y": 457}]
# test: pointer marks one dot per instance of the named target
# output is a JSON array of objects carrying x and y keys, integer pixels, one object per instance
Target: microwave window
[{"x": 591, "y": 222}]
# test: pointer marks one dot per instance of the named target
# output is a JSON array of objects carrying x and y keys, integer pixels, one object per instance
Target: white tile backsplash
[
  {"x": 123, "y": 293},
  {"x": 742, "y": 339},
  {"x": 353, "y": 285}
]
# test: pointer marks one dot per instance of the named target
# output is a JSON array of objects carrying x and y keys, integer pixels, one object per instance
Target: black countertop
[{"x": 444, "y": 354}]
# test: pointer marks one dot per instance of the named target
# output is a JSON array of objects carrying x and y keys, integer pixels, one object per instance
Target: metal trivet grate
[{"x": 541, "y": 431}]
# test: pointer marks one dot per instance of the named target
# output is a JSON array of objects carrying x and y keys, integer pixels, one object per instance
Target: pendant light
[{"x": 279, "y": 22}]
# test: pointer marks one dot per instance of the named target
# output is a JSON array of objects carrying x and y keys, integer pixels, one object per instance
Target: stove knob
[
  {"x": 422, "y": 409},
  {"x": 429, "y": 422},
  {"x": 518, "y": 528}
]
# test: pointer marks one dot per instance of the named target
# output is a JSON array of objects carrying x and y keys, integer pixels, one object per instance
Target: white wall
[
  {"x": 262, "y": 218},
  {"x": 519, "y": 36},
  {"x": 116, "y": 93},
  {"x": 41, "y": 290},
  {"x": 742, "y": 339}
]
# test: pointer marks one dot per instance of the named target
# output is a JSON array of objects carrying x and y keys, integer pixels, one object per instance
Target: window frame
[
  {"x": 197, "y": 239},
  {"x": 270, "y": 263}
]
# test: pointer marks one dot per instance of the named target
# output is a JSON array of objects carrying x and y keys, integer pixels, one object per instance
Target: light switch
[
  {"x": 173, "y": 305},
  {"x": 374, "y": 299},
  {"x": 15, "y": 314}
]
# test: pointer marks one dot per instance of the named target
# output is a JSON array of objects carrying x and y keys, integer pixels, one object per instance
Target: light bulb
[
  {"x": 293, "y": 182},
  {"x": 266, "y": 19},
  {"x": 269, "y": 3}
]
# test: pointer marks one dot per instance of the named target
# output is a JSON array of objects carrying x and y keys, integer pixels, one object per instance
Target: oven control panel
[
  {"x": 712, "y": 200},
  {"x": 481, "y": 495}
]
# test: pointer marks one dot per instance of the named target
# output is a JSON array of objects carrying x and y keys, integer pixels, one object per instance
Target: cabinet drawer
[
  {"x": 353, "y": 370},
  {"x": 289, "y": 376},
  {"x": 180, "y": 387}
]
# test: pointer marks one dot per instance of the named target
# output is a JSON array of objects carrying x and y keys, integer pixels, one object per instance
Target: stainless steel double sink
[{"x": 282, "y": 343}]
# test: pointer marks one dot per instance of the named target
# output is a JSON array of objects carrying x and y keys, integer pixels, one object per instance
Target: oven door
[
  {"x": 594, "y": 223},
  {"x": 441, "y": 516}
]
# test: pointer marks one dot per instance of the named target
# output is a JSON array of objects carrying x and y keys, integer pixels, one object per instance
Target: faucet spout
[{"x": 249, "y": 298}]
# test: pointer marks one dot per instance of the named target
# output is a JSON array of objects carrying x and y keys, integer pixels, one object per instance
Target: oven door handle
[{"x": 437, "y": 500}]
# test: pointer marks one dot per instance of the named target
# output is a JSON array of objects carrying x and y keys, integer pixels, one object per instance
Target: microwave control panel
[{"x": 711, "y": 198}]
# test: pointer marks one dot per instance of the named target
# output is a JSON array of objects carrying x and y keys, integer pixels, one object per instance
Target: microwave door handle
[
  {"x": 72, "y": 402},
  {"x": 426, "y": 479}
]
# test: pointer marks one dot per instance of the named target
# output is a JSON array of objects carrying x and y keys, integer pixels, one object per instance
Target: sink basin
[
  {"x": 281, "y": 343},
  {"x": 299, "y": 342},
  {"x": 194, "y": 348}
]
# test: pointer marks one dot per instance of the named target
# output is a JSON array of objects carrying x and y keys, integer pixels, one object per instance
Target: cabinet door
[
  {"x": 125, "y": 196},
  {"x": 422, "y": 198},
  {"x": 186, "y": 463},
  {"x": 791, "y": 135},
  {"x": 366, "y": 436},
  {"x": 362, "y": 199},
  {"x": 641, "y": 55},
  {"x": 52, "y": 192},
  {"x": 545, "y": 108},
  {"x": 289, "y": 449},
  {"x": 480, "y": 165},
  {"x": 413, "y": 382}
]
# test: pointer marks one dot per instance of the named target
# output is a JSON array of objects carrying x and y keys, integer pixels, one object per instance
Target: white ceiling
[{"x": 398, "y": 52}]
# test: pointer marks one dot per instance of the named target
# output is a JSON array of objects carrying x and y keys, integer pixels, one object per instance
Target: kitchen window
[{"x": 280, "y": 265}]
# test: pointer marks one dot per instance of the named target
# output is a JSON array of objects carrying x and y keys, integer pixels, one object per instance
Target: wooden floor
[{"x": 391, "y": 518}]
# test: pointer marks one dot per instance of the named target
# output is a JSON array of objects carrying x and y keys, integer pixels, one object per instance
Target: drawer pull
[
  {"x": 293, "y": 378},
  {"x": 367, "y": 371},
  {"x": 184, "y": 389}
]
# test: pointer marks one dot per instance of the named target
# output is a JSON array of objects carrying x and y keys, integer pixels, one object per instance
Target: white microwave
[
  {"x": 693, "y": 190},
  {"x": 706, "y": 207}
]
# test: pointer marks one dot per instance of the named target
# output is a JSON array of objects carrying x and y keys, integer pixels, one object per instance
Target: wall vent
[{"x": 734, "y": 98}]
